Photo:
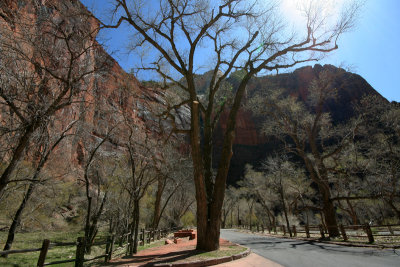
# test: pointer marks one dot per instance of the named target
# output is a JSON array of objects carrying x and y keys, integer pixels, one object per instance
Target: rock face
[
  {"x": 110, "y": 89},
  {"x": 251, "y": 146}
]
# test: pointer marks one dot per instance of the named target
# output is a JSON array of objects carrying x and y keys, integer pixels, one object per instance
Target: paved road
[{"x": 298, "y": 253}]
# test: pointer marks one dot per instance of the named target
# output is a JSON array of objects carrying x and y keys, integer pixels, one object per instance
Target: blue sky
[{"x": 372, "y": 49}]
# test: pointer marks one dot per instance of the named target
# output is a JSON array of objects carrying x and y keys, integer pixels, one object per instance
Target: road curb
[{"x": 209, "y": 262}]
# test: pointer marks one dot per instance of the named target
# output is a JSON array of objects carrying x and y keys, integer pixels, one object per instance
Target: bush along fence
[
  {"x": 145, "y": 236},
  {"x": 387, "y": 234}
]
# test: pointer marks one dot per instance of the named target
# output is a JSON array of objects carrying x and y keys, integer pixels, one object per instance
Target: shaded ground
[{"x": 166, "y": 253}]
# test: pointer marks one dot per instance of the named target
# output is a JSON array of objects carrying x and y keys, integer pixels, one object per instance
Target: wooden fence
[
  {"x": 364, "y": 232},
  {"x": 145, "y": 236}
]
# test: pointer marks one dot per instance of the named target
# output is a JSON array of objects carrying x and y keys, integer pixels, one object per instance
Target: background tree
[
  {"x": 44, "y": 150},
  {"x": 280, "y": 184},
  {"x": 175, "y": 175},
  {"x": 93, "y": 181},
  {"x": 312, "y": 136},
  {"x": 231, "y": 197},
  {"x": 142, "y": 159},
  {"x": 247, "y": 194},
  {"x": 237, "y": 35},
  {"x": 381, "y": 141}
]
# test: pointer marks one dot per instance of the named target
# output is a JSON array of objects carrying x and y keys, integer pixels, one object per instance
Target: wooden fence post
[
  {"x": 80, "y": 252},
  {"x": 344, "y": 235},
  {"x": 107, "y": 249},
  {"x": 43, "y": 253},
  {"x": 322, "y": 231},
  {"x": 143, "y": 237},
  {"x": 390, "y": 230},
  {"x": 129, "y": 243},
  {"x": 294, "y": 230},
  {"x": 283, "y": 229},
  {"x": 120, "y": 240},
  {"x": 307, "y": 229},
  {"x": 111, "y": 247},
  {"x": 369, "y": 233}
]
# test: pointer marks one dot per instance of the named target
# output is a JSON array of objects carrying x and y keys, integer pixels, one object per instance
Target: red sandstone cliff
[{"x": 104, "y": 95}]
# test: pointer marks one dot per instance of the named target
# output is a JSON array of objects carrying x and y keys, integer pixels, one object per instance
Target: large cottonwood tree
[{"x": 232, "y": 35}]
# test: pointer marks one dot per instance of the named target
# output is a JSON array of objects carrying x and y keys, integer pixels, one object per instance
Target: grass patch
[
  {"x": 121, "y": 251},
  {"x": 224, "y": 251},
  {"x": 155, "y": 244},
  {"x": 35, "y": 239}
]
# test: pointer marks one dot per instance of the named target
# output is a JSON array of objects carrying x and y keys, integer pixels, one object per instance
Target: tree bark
[
  {"x": 202, "y": 215},
  {"x": 17, "y": 218},
  {"x": 17, "y": 154},
  {"x": 157, "y": 203},
  {"x": 328, "y": 208},
  {"x": 285, "y": 210},
  {"x": 135, "y": 228},
  {"x": 93, "y": 229},
  {"x": 330, "y": 218}
]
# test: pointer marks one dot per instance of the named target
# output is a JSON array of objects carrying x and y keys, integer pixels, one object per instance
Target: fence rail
[
  {"x": 80, "y": 244},
  {"x": 361, "y": 231}
]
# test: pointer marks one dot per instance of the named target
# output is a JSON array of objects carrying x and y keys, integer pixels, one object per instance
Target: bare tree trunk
[
  {"x": 238, "y": 215},
  {"x": 328, "y": 209},
  {"x": 271, "y": 216},
  {"x": 157, "y": 203},
  {"x": 232, "y": 217},
  {"x": 135, "y": 228},
  {"x": 250, "y": 214},
  {"x": 93, "y": 229},
  {"x": 18, "y": 152},
  {"x": 87, "y": 224},
  {"x": 225, "y": 215},
  {"x": 330, "y": 218},
  {"x": 17, "y": 218},
  {"x": 285, "y": 210},
  {"x": 203, "y": 219}
]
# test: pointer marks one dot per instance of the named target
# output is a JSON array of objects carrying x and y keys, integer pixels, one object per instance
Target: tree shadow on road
[{"x": 310, "y": 245}]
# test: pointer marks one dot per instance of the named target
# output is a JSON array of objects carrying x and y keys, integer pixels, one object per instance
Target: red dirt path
[{"x": 171, "y": 252}]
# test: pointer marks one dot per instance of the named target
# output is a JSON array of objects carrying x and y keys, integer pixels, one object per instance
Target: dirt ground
[{"x": 166, "y": 253}]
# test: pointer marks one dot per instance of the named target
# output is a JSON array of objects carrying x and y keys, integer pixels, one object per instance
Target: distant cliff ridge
[{"x": 251, "y": 146}]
